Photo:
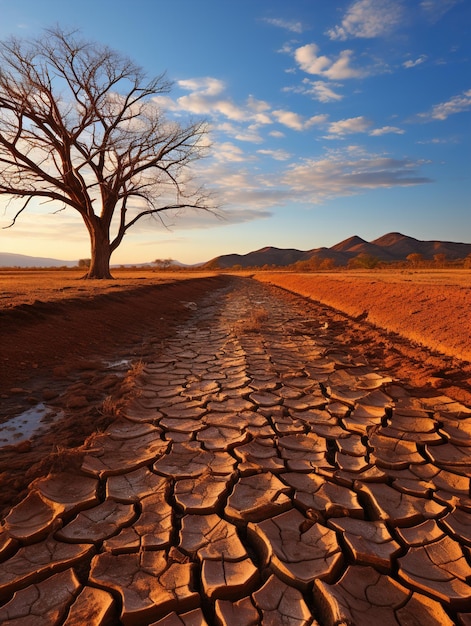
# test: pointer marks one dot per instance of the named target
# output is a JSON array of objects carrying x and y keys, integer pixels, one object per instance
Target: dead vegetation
[{"x": 257, "y": 320}]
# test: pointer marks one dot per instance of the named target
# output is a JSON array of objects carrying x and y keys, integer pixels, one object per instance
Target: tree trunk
[{"x": 100, "y": 254}]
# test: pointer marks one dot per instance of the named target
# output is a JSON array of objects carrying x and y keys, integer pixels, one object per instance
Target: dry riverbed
[{"x": 262, "y": 462}]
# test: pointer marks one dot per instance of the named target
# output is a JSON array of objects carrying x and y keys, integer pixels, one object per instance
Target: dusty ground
[
  {"x": 416, "y": 322},
  {"x": 429, "y": 308},
  {"x": 70, "y": 342}
]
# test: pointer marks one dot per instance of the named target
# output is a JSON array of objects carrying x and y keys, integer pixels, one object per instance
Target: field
[
  {"x": 27, "y": 286},
  {"x": 211, "y": 437},
  {"x": 431, "y": 308},
  {"x": 69, "y": 342}
]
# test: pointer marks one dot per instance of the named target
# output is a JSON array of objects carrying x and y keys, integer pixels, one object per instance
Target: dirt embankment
[
  {"x": 52, "y": 322},
  {"x": 433, "y": 310},
  {"x": 415, "y": 327}
]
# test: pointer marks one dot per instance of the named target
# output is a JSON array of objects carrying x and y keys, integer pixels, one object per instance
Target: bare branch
[
  {"x": 78, "y": 126},
  {"x": 18, "y": 213}
]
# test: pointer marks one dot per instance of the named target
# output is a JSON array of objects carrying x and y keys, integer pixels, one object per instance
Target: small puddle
[
  {"x": 122, "y": 363},
  {"x": 27, "y": 424},
  {"x": 40, "y": 417}
]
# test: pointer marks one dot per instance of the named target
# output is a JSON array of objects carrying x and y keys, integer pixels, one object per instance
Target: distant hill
[
  {"x": 401, "y": 245},
  {"x": 275, "y": 256},
  {"x": 8, "y": 259},
  {"x": 390, "y": 247}
]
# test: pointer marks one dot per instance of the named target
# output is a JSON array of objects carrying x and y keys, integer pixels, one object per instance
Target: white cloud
[
  {"x": 228, "y": 152},
  {"x": 286, "y": 48},
  {"x": 341, "y": 172},
  {"x": 413, "y": 63},
  {"x": 206, "y": 86},
  {"x": 315, "y": 180},
  {"x": 291, "y": 25},
  {"x": 242, "y": 122},
  {"x": 229, "y": 110},
  {"x": 260, "y": 110},
  {"x": 368, "y": 19},
  {"x": 440, "y": 140},
  {"x": 309, "y": 60},
  {"x": 298, "y": 122},
  {"x": 377, "y": 132},
  {"x": 207, "y": 97},
  {"x": 278, "y": 155},
  {"x": 436, "y": 9},
  {"x": 442, "y": 111},
  {"x": 244, "y": 215},
  {"x": 323, "y": 92},
  {"x": 341, "y": 67},
  {"x": 348, "y": 127},
  {"x": 317, "y": 89},
  {"x": 259, "y": 106},
  {"x": 242, "y": 133},
  {"x": 249, "y": 134},
  {"x": 235, "y": 187}
]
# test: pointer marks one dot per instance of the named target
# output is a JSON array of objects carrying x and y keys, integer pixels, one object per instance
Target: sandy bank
[{"x": 431, "y": 309}]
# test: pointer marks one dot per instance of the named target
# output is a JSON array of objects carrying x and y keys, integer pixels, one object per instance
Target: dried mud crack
[{"x": 262, "y": 470}]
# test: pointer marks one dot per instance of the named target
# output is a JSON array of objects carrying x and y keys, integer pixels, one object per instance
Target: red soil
[
  {"x": 58, "y": 350},
  {"x": 58, "y": 334},
  {"x": 423, "y": 316}
]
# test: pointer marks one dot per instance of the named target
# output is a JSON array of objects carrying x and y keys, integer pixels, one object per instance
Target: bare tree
[
  {"x": 163, "y": 264},
  {"x": 79, "y": 127}
]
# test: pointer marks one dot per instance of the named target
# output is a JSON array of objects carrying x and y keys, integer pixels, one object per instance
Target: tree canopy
[{"x": 79, "y": 127}]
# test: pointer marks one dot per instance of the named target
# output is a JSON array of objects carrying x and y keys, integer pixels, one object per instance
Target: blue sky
[{"x": 328, "y": 119}]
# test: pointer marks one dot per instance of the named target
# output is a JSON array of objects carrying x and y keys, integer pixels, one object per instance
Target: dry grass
[
  {"x": 259, "y": 317},
  {"x": 137, "y": 369},
  {"x": 61, "y": 459},
  {"x": 18, "y": 286},
  {"x": 109, "y": 406}
]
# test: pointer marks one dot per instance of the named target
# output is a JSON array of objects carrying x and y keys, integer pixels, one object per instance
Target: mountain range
[
  {"x": 11, "y": 259},
  {"x": 390, "y": 247}
]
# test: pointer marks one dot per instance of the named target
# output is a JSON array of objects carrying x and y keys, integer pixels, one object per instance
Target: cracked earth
[{"x": 259, "y": 473}]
